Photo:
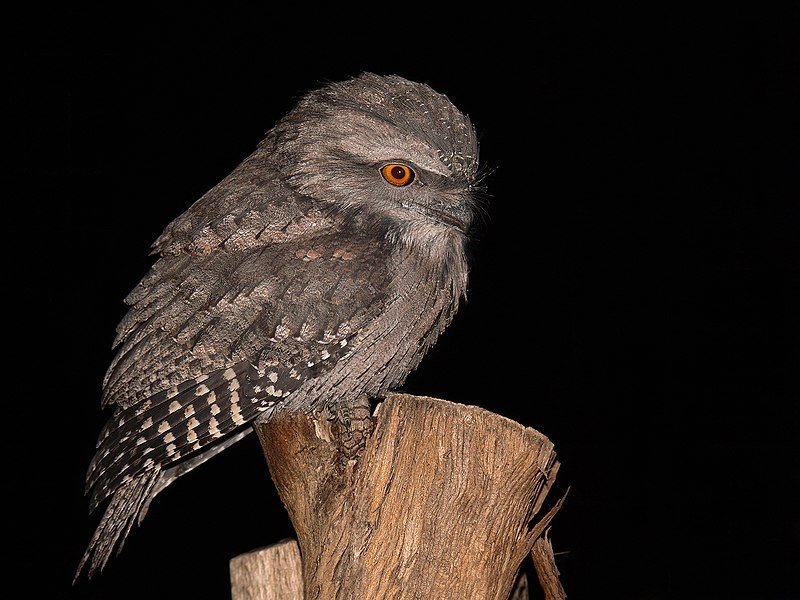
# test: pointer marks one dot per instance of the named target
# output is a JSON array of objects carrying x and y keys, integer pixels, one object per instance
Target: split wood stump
[{"x": 424, "y": 499}]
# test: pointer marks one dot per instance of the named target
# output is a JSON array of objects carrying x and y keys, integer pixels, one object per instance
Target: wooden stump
[
  {"x": 271, "y": 573},
  {"x": 438, "y": 503}
]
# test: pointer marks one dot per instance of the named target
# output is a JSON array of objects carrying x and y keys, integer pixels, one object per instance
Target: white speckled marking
[
  {"x": 236, "y": 414},
  {"x": 174, "y": 405},
  {"x": 144, "y": 406}
]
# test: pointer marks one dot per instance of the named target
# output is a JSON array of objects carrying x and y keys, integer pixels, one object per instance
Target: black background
[{"x": 633, "y": 292}]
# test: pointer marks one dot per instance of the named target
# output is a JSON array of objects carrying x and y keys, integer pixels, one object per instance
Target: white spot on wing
[{"x": 236, "y": 414}]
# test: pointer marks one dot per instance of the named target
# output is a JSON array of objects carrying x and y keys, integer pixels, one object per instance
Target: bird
[{"x": 312, "y": 278}]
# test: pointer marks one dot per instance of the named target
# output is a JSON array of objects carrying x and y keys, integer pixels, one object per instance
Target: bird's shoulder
[{"x": 254, "y": 206}]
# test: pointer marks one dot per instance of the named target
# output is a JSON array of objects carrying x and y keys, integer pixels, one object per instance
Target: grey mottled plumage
[{"x": 316, "y": 274}]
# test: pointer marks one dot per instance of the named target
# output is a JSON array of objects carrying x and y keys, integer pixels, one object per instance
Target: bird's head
[{"x": 386, "y": 153}]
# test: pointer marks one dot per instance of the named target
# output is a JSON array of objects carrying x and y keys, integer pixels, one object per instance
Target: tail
[{"x": 128, "y": 504}]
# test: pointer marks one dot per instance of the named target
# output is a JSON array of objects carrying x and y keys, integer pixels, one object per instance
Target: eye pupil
[{"x": 397, "y": 175}]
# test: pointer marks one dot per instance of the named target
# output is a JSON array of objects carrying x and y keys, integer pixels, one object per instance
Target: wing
[
  {"x": 255, "y": 293},
  {"x": 212, "y": 340}
]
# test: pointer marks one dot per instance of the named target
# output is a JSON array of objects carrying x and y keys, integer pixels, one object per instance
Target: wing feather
[{"x": 220, "y": 359}]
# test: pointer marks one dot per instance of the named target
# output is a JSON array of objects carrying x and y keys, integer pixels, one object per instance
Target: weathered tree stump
[
  {"x": 271, "y": 573},
  {"x": 438, "y": 503}
]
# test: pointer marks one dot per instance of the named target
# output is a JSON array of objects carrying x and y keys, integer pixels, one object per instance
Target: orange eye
[{"x": 398, "y": 175}]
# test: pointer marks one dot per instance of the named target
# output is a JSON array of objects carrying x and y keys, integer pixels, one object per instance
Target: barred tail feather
[{"x": 126, "y": 506}]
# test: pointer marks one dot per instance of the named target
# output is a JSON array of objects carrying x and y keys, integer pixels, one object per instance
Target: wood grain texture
[
  {"x": 271, "y": 573},
  {"x": 546, "y": 570},
  {"x": 439, "y": 502}
]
